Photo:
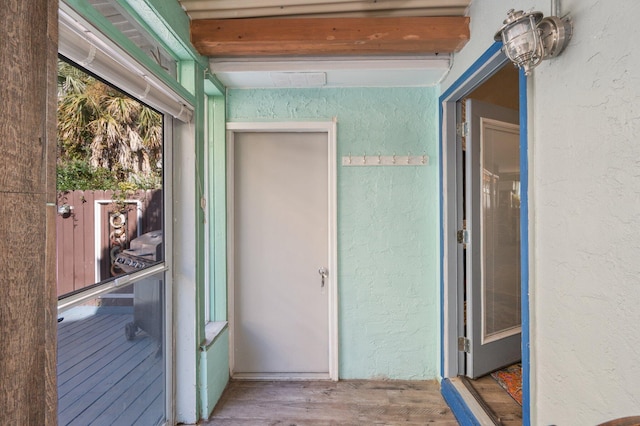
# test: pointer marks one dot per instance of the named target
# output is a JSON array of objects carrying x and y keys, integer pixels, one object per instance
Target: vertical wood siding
[{"x": 28, "y": 30}]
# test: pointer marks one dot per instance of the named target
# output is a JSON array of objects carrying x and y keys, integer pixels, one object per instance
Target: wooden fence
[{"x": 95, "y": 229}]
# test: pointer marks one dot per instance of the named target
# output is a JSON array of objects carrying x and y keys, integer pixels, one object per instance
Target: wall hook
[{"x": 378, "y": 159}]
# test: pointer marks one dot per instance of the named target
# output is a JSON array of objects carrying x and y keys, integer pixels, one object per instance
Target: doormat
[{"x": 510, "y": 379}]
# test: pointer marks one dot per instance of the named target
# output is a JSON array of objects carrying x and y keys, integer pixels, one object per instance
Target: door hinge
[
  {"x": 462, "y": 129},
  {"x": 464, "y": 345},
  {"x": 463, "y": 236}
]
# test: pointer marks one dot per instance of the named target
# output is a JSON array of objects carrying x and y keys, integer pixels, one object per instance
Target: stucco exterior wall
[
  {"x": 584, "y": 211},
  {"x": 387, "y": 222},
  {"x": 586, "y": 180}
]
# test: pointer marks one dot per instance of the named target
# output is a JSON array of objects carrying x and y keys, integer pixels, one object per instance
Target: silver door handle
[{"x": 324, "y": 273}]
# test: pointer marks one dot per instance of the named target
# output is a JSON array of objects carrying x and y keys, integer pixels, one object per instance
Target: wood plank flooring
[
  {"x": 105, "y": 379},
  {"x": 332, "y": 403},
  {"x": 504, "y": 408}
]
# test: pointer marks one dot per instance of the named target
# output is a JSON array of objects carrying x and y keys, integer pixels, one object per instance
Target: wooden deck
[
  {"x": 104, "y": 379},
  {"x": 332, "y": 403}
]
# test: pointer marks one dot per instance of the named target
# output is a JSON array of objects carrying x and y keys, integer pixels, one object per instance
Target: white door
[
  {"x": 280, "y": 311},
  {"x": 493, "y": 253}
]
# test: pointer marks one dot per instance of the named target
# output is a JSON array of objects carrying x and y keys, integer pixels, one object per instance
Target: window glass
[
  {"x": 112, "y": 338},
  {"x": 111, "y": 362},
  {"x": 109, "y": 184}
]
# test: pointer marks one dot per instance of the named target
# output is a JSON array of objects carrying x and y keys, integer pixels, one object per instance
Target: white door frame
[{"x": 328, "y": 127}]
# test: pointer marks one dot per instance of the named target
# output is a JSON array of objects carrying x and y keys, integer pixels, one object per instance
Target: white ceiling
[
  {"x": 388, "y": 71},
  {"x": 223, "y": 9},
  {"x": 331, "y": 72}
]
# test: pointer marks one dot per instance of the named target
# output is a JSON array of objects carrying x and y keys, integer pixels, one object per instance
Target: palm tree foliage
[{"x": 104, "y": 133}]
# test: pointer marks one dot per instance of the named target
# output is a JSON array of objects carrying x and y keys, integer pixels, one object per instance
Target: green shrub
[{"x": 77, "y": 174}]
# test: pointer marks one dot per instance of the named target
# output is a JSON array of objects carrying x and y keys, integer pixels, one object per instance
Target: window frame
[
  {"x": 175, "y": 104},
  {"x": 216, "y": 235}
]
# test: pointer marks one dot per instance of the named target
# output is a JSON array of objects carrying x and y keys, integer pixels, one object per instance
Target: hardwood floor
[{"x": 332, "y": 403}]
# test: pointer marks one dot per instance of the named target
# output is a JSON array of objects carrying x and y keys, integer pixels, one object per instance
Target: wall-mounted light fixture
[{"x": 529, "y": 38}]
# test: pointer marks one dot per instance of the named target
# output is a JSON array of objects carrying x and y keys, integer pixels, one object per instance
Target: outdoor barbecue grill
[{"x": 144, "y": 251}]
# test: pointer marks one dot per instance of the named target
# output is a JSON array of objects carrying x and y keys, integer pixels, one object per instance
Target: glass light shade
[
  {"x": 522, "y": 44},
  {"x": 521, "y": 39}
]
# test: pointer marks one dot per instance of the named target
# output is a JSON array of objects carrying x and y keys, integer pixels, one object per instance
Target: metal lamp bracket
[{"x": 555, "y": 34}]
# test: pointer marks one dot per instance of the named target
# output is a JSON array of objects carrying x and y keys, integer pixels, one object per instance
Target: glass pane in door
[{"x": 500, "y": 222}]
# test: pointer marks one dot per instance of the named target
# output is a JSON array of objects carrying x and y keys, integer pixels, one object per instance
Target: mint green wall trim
[
  {"x": 214, "y": 368},
  {"x": 191, "y": 76},
  {"x": 89, "y": 13},
  {"x": 212, "y": 86},
  {"x": 211, "y": 214},
  {"x": 387, "y": 221},
  {"x": 168, "y": 22},
  {"x": 219, "y": 197}
]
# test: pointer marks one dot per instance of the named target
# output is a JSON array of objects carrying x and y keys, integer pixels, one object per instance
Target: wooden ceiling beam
[{"x": 322, "y": 36}]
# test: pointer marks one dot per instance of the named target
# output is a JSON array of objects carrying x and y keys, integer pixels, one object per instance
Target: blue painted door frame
[{"x": 479, "y": 70}]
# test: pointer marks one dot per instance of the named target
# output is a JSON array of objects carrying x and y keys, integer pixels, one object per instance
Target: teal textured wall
[{"x": 387, "y": 221}]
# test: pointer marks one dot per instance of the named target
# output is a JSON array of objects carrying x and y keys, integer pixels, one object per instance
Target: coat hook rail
[{"x": 385, "y": 160}]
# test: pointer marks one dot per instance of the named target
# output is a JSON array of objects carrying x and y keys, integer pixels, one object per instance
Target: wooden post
[{"x": 28, "y": 52}]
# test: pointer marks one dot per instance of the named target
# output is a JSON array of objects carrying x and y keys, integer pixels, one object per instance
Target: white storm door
[
  {"x": 493, "y": 254},
  {"x": 281, "y": 239}
]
